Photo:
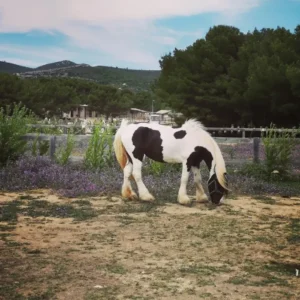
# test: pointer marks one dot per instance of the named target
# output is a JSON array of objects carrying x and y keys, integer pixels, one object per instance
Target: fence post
[
  {"x": 52, "y": 146},
  {"x": 243, "y": 134},
  {"x": 256, "y": 142}
]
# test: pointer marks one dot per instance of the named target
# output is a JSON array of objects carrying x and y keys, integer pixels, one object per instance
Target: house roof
[
  {"x": 137, "y": 109},
  {"x": 163, "y": 111}
]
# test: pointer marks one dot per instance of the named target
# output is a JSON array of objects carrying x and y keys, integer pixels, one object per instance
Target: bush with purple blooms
[
  {"x": 75, "y": 181},
  {"x": 41, "y": 172}
]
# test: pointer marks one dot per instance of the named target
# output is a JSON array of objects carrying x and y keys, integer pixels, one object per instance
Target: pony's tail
[
  {"x": 120, "y": 151},
  {"x": 220, "y": 167}
]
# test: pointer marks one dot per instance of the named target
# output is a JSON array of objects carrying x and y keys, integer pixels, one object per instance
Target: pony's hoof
[
  {"x": 147, "y": 198},
  {"x": 202, "y": 198},
  {"x": 184, "y": 200},
  {"x": 133, "y": 196},
  {"x": 129, "y": 195}
]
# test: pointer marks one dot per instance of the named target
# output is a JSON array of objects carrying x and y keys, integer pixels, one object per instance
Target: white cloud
[{"x": 122, "y": 28}]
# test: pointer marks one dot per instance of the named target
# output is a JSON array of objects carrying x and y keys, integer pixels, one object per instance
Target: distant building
[
  {"x": 138, "y": 115},
  {"x": 161, "y": 116},
  {"x": 82, "y": 111}
]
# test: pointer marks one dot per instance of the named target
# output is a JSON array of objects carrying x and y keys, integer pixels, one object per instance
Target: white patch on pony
[
  {"x": 222, "y": 200},
  {"x": 200, "y": 194}
]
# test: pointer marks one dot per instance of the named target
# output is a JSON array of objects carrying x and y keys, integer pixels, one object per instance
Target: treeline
[
  {"x": 52, "y": 96},
  {"x": 229, "y": 78}
]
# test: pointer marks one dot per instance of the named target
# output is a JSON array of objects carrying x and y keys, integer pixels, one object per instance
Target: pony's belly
[{"x": 172, "y": 160}]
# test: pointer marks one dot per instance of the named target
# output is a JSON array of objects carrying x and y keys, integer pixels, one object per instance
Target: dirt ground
[{"x": 108, "y": 248}]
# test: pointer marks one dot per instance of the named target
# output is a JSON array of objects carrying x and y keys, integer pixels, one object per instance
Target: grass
[
  {"x": 282, "y": 268},
  {"x": 204, "y": 270},
  {"x": 133, "y": 250},
  {"x": 138, "y": 207},
  {"x": 294, "y": 228},
  {"x": 115, "y": 268},
  {"x": 266, "y": 275},
  {"x": 265, "y": 199},
  {"x": 42, "y": 208},
  {"x": 106, "y": 293}
]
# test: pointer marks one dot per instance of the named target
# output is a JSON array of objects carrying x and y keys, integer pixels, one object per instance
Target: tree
[{"x": 230, "y": 77}]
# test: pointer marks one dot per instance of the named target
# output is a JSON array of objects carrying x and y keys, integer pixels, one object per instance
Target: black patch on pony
[
  {"x": 147, "y": 142},
  {"x": 180, "y": 134},
  {"x": 196, "y": 157},
  {"x": 216, "y": 191}
]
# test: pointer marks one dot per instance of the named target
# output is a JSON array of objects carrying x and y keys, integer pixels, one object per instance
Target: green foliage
[
  {"x": 49, "y": 97},
  {"x": 233, "y": 78},
  {"x": 256, "y": 170},
  {"x": 136, "y": 79},
  {"x": 278, "y": 150},
  {"x": 39, "y": 147},
  {"x": 63, "y": 154},
  {"x": 13, "y": 126},
  {"x": 100, "y": 149},
  {"x": 156, "y": 168}
]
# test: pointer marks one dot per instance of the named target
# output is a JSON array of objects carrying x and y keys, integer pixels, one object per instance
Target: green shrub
[
  {"x": 256, "y": 170},
  {"x": 63, "y": 154},
  {"x": 156, "y": 168},
  {"x": 279, "y": 146},
  {"x": 100, "y": 149},
  {"x": 278, "y": 150},
  {"x": 39, "y": 147},
  {"x": 13, "y": 126}
]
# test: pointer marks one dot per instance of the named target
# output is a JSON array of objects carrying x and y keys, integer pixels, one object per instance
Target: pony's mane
[
  {"x": 192, "y": 124},
  {"x": 220, "y": 166}
]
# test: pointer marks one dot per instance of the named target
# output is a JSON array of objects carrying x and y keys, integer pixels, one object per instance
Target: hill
[
  {"x": 140, "y": 79},
  {"x": 57, "y": 65},
  {"x": 120, "y": 77},
  {"x": 6, "y": 67}
]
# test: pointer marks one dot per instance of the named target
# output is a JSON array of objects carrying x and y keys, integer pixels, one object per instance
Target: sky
[{"x": 131, "y": 34}]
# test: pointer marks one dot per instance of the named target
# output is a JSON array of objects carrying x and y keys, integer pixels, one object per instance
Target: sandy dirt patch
[{"x": 107, "y": 248}]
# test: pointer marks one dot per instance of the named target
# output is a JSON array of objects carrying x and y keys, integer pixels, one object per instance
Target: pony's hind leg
[
  {"x": 183, "y": 198},
  {"x": 127, "y": 191},
  {"x": 200, "y": 194},
  {"x": 144, "y": 194}
]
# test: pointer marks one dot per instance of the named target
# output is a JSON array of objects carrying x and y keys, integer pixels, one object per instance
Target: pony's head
[{"x": 217, "y": 188}]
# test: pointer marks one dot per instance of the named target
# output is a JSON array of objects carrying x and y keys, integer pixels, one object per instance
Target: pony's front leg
[
  {"x": 127, "y": 191},
  {"x": 200, "y": 194},
  {"x": 183, "y": 198},
  {"x": 144, "y": 194}
]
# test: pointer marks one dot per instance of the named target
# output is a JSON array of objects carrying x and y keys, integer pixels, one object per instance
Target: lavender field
[{"x": 71, "y": 180}]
